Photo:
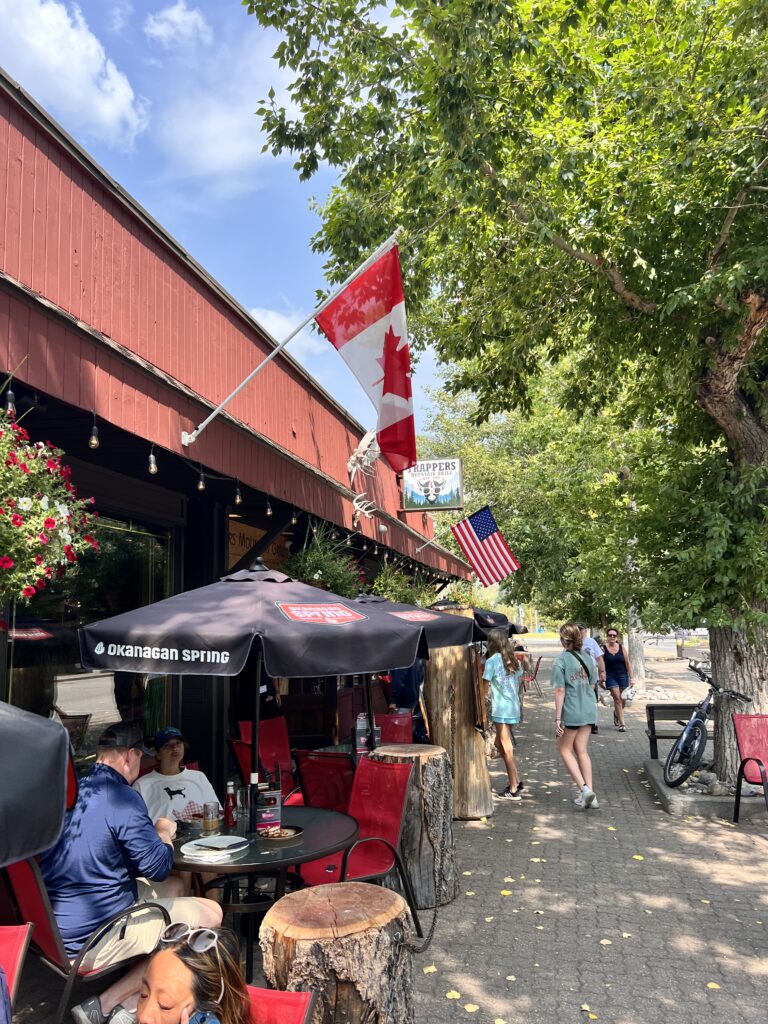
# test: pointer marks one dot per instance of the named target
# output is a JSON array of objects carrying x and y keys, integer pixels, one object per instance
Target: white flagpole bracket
[{"x": 189, "y": 439}]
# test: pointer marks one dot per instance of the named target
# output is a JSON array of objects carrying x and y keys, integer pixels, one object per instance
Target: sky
[{"x": 162, "y": 94}]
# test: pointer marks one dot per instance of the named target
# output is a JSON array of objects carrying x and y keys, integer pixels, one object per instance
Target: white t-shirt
[
  {"x": 169, "y": 796},
  {"x": 592, "y": 647}
]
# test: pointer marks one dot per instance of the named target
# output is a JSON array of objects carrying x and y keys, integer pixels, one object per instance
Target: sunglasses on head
[{"x": 199, "y": 940}]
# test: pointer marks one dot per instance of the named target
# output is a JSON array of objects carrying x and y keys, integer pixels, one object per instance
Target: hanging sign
[{"x": 433, "y": 485}]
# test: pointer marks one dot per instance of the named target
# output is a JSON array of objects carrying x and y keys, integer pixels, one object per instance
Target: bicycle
[{"x": 688, "y": 749}]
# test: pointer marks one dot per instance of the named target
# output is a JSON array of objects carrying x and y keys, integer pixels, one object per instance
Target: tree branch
[
  {"x": 733, "y": 209},
  {"x": 611, "y": 272}
]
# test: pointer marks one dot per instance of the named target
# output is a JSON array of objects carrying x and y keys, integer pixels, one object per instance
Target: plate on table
[
  {"x": 284, "y": 832},
  {"x": 214, "y": 848}
]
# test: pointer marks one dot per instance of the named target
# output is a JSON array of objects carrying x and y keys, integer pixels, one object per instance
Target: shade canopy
[
  {"x": 304, "y": 631},
  {"x": 440, "y": 629},
  {"x": 486, "y": 619},
  {"x": 33, "y": 767}
]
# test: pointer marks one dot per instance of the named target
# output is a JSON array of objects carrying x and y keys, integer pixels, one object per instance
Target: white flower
[
  {"x": 44, "y": 503},
  {"x": 25, "y": 504},
  {"x": 66, "y": 536},
  {"x": 62, "y": 509},
  {"x": 317, "y": 575}
]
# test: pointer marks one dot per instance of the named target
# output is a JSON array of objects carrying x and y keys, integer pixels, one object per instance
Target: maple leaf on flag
[{"x": 396, "y": 364}]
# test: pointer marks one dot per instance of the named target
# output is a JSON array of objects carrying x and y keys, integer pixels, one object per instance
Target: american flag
[{"x": 486, "y": 550}]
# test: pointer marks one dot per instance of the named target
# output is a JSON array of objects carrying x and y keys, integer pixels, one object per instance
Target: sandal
[
  {"x": 622, "y": 728},
  {"x": 616, "y": 721}
]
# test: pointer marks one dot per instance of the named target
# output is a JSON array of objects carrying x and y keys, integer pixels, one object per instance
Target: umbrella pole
[
  {"x": 369, "y": 702},
  {"x": 255, "y": 717}
]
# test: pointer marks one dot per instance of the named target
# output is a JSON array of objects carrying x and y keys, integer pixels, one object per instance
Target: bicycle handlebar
[{"x": 733, "y": 694}]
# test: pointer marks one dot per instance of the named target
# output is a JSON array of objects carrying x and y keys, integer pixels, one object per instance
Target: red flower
[
  {"x": 16, "y": 519},
  {"x": 11, "y": 459},
  {"x": 49, "y": 523},
  {"x": 71, "y": 556},
  {"x": 51, "y": 465},
  {"x": 48, "y": 571},
  {"x": 6, "y": 562},
  {"x": 24, "y": 468},
  {"x": 42, "y": 538},
  {"x": 59, "y": 571},
  {"x": 38, "y": 559},
  {"x": 28, "y": 591},
  {"x": 40, "y": 584}
]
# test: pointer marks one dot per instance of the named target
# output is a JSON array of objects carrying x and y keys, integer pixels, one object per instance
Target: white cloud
[
  {"x": 47, "y": 46},
  {"x": 305, "y": 345},
  {"x": 120, "y": 14},
  {"x": 178, "y": 25}
]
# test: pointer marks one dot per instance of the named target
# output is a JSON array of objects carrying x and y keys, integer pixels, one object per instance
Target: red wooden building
[{"x": 105, "y": 320}]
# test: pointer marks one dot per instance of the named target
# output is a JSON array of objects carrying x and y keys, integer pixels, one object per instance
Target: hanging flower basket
[{"x": 44, "y": 526}]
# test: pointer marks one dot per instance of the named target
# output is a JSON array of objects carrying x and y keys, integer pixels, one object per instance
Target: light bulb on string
[
  {"x": 348, "y": 542},
  {"x": 10, "y": 403},
  {"x": 375, "y": 549},
  {"x": 201, "y": 481},
  {"x": 294, "y": 518},
  {"x": 152, "y": 462},
  {"x": 238, "y": 495},
  {"x": 93, "y": 440},
  {"x": 269, "y": 508}
]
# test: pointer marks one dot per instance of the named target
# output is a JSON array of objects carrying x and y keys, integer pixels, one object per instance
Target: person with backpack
[
  {"x": 503, "y": 672},
  {"x": 573, "y": 679},
  {"x": 618, "y": 674}
]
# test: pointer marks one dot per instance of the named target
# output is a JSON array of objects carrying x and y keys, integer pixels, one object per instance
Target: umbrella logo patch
[
  {"x": 320, "y": 614},
  {"x": 415, "y": 616},
  {"x": 99, "y": 648}
]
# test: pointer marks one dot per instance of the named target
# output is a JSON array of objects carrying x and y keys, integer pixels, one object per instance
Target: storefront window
[{"x": 131, "y": 569}]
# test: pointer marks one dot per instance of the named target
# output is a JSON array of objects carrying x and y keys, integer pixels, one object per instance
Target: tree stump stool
[
  {"x": 344, "y": 941},
  {"x": 426, "y": 841}
]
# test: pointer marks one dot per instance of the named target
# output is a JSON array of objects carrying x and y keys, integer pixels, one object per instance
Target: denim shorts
[{"x": 621, "y": 681}]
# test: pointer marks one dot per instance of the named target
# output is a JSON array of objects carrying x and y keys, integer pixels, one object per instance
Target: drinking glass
[
  {"x": 243, "y": 810},
  {"x": 211, "y": 817}
]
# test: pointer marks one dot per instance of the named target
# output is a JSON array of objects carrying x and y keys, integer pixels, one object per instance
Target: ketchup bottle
[{"x": 230, "y": 806}]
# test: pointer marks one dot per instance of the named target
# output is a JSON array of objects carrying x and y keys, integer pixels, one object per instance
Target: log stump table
[
  {"x": 344, "y": 941},
  {"x": 426, "y": 842}
]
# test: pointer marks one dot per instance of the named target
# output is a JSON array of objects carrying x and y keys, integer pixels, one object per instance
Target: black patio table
[{"x": 324, "y": 832}]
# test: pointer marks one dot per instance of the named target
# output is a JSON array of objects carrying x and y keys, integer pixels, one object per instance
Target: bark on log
[
  {"x": 345, "y": 942},
  {"x": 449, "y": 694},
  {"x": 426, "y": 841}
]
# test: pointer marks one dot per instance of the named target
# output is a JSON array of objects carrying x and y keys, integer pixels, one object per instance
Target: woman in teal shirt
[
  {"x": 503, "y": 673},
  {"x": 574, "y": 676}
]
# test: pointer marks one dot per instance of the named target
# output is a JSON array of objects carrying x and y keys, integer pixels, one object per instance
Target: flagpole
[{"x": 188, "y": 439}]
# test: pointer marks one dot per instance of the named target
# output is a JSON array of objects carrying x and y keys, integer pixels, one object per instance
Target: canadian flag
[{"x": 366, "y": 324}]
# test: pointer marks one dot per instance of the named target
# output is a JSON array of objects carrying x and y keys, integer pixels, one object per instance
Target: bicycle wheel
[{"x": 684, "y": 757}]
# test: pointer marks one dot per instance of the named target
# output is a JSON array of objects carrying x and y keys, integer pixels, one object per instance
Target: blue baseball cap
[{"x": 170, "y": 732}]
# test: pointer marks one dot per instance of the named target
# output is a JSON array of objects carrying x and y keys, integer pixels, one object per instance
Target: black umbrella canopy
[
  {"x": 33, "y": 767},
  {"x": 441, "y": 630},
  {"x": 486, "y": 619},
  {"x": 303, "y": 631}
]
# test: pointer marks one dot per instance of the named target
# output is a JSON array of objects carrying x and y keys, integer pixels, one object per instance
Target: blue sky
[{"x": 161, "y": 93}]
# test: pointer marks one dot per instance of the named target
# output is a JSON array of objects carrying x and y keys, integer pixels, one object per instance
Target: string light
[
  {"x": 348, "y": 542},
  {"x": 201, "y": 481},
  {"x": 93, "y": 440},
  {"x": 294, "y": 518},
  {"x": 10, "y": 403},
  {"x": 152, "y": 466},
  {"x": 238, "y": 495},
  {"x": 375, "y": 549},
  {"x": 269, "y": 508}
]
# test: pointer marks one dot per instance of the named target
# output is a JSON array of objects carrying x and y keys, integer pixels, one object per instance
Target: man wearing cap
[
  {"x": 592, "y": 647},
  {"x": 97, "y": 869},
  {"x": 172, "y": 790}
]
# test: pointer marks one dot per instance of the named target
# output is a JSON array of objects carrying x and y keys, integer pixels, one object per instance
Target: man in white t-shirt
[
  {"x": 594, "y": 650},
  {"x": 171, "y": 790}
]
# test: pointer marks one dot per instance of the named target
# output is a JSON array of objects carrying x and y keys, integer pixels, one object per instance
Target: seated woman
[{"x": 171, "y": 790}]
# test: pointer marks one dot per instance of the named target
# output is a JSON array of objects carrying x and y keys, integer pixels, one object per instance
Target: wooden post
[
  {"x": 346, "y": 942},
  {"x": 426, "y": 842},
  {"x": 449, "y": 692}
]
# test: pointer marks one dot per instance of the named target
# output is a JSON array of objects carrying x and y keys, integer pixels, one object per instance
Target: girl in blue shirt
[{"x": 503, "y": 672}]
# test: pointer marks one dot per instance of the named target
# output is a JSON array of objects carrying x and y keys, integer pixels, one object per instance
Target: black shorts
[{"x": 586, "y": 725}]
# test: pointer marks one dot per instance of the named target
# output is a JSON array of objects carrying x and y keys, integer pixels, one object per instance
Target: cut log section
[
  {"x": 449, "y": 690},
  {"x": 426, "y": 841},
  {"x": 344, "y": 941}
]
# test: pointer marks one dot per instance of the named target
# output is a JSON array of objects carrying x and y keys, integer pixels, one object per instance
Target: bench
[{"x": 663, "y": 722}]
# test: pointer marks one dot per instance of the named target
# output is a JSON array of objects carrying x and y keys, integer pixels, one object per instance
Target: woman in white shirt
[{"x": 171, "y": 790}]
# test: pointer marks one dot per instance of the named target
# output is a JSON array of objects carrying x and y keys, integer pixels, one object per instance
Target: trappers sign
[{"x": 433, "y": 485}]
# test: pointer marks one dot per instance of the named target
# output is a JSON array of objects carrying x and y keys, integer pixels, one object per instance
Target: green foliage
[
  {"x": 326, "y": 563},
  {"x": 395, "y": 584}
]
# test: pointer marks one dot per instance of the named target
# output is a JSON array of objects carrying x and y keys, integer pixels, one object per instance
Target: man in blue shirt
[{"x": 99, "y": 867}]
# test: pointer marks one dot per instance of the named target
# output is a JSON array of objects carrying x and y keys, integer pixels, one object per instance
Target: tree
[{"x": 582, "y": 176}]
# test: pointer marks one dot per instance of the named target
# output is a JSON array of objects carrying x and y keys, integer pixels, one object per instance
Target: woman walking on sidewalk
[
  {"x": 503, "y": 672},
  {"x": 617, "y": 674},
  {"x": 573, "y": 679}
]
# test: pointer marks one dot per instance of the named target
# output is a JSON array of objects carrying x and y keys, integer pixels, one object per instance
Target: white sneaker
[
  {"x": 590, "y": 800},
  {"x": 579, "y": 802}
]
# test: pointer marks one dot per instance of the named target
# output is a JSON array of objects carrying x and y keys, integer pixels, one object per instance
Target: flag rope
[{"x": 188, "y": 439}]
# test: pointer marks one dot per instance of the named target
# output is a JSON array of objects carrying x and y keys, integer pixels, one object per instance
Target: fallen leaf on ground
[
  {"x": 471, "y": 1007},
  {"x": 538, "y": 911},
  {"x": 584, "y": 1006},
  {"x": 466, "y": 872},
  {"x": 535, "y": 860},
  {"x": 706, "y": 901},
  {"x": 535, "y": 828},
  {"x": 647, "y": 911},
  {"x": 592, "y": 1016},
  {"x": 522, "y": 877},
  {"x": 453, "y": 994},
  {"x": 511, "y": 977},
  {"x": 605, "y": 942},
  {"x": 535, "y": 842},
  {"x": 483, "y": 819},
  {"x": 505, "y": 892},
  {"x": 429, "y": 970},
  {"x": 469, "y": 893},
  {"x": 499, "y": 1020},
  {"x": 637, "y": 856},
  {"x": 626, "y": 935},
  {"x": 712, "y": 984},
  {"x": 489, "y": 919},
  {"x": 509, "y": 878},
  {"x": 539, "y": 927},
  {"x": 611, "y": 828}
]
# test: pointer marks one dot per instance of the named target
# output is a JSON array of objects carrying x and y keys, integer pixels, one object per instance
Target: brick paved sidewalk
[{"x": 624, "y": 909}]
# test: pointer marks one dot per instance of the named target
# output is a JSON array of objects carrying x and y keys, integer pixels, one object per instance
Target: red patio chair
[
  {"x": 291, "y": 793},
  {"x": 14, "y": 942},
  {"x": 396, "y": 727},
  {"x": 377, "y": 804},
  {"x": 269, "y": 1006},
  {"x": 31, "y": 897},
  {"x": 752, "y": 741},
  {"x": 326, "y": 778}
]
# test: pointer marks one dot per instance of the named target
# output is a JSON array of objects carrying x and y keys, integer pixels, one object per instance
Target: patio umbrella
[
  {"x": 486, "y": 619},
  {"x": 33, "y": 767},
  {"x": 301, "y": 631}
]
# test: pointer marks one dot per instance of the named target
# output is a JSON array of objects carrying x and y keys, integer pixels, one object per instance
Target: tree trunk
[
  {"x": 738, "y": 663},
  {"x": 636, "y": 649}
]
